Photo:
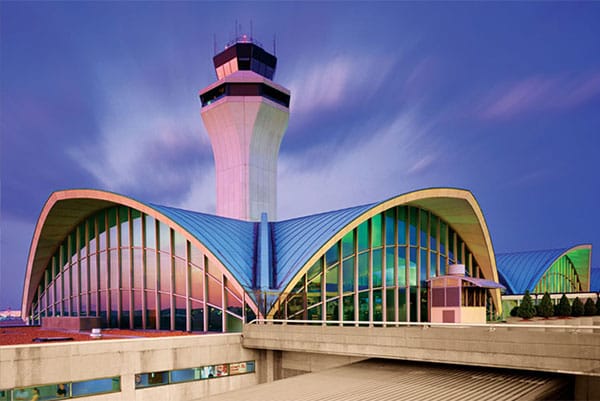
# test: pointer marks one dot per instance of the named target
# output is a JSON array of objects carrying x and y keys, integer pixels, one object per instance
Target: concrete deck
[{"x": 397, "y": 380}]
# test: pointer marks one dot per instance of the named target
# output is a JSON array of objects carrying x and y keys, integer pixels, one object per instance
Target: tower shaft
[{"x": 246, "y": 115}]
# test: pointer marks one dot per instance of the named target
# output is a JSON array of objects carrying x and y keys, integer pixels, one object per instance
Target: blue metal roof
[
  {"x": 231, "y": 241},
  {"x": 521, "y": 271},
  {"x": 296, "y": 240}
]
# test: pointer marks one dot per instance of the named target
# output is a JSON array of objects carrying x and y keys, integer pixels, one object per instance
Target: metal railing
[{"x": 424, "y": 325}]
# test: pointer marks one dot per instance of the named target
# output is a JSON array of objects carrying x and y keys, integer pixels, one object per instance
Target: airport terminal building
[{"x": 145, "y": 266}]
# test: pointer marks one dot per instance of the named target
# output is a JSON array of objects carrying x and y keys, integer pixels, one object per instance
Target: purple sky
[{"x": 499, "y": 98}]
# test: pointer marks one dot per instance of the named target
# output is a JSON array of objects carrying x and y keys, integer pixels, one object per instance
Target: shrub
[
  {"x": 526, "y": 309},
  {"x": 545, "y": 308},
  {"x": 564, "y": 307},
  {"x": 577, "y": 308},
  {"x": 514, "y": 311},
  {"x": 589, "y": 308},
  {"x": 598, "y": 306}
]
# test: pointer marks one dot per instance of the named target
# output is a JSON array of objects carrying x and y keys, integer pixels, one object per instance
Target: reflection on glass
[
  {"x": 348, "y": 244},
  {"x": 331, "y": 285},
  {"x": 348, "y": 275}
]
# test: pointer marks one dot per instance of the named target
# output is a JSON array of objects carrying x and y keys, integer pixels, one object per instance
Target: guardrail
[{"x": 490, "y": 326}]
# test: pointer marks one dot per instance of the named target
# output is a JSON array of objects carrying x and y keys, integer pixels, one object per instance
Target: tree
[
  {"x": 598, "y": 306},
  {"x": 577, "y": 308},
  {"x": 564, "y": 307},
  {"x": 545, "y": 308},
  {"x": 589, "y": 308},
  {"x": 526, "y": 309},
  {"x": 514, "y": 311}
]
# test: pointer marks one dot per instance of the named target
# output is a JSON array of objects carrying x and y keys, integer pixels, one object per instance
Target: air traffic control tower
[{"x": 246, "y": 115}]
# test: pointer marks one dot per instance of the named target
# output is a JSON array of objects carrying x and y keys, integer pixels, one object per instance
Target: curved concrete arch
[
  {"x": 64, "y": 210},
  {"x": 458, "y": 207}
]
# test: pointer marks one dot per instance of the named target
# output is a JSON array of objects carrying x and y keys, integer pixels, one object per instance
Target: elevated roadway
[{"x": 559, "y": 349}]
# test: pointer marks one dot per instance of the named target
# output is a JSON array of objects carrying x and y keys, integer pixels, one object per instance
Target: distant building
[{"x": 554, "y": 270}]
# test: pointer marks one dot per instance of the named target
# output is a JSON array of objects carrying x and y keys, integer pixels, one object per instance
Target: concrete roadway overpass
[{"x": 544, "y": 348}]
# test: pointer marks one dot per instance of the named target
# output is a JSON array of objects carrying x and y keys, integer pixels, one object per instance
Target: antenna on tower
[
  {"x": 275, "y": 44},
  {"x": 236, "y": 32},
  {"x": 215, "y": 43},
  {"x": 251, "y": 32}
]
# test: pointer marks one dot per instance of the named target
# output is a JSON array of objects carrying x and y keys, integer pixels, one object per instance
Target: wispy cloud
[
  {"x": 148, "y": 145},
  {"x": 327, "y": 84},
  {"x": 391, "y": 160},
  {"x": 540, "y": 93}
]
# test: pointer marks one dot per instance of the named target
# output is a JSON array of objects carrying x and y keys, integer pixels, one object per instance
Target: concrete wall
[
  {"x": 40, "y": 364},
  {"x": 297, "y": 363},
  {"x": 72, "y": 322}
]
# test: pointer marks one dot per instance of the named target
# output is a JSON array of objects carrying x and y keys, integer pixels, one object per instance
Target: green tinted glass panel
[
  {"x": 424, "y": 232},
  {"x": 401, "y": 217},
  {"x": 423, "y": 303},
  {"x": 81, "y": 232},
  {"x": 433, "y": 264},
  {"x": 443, "y": 237},
  {"x": 333, "y": 255},
  {"x": 331, "y": 285},
  {"x": 348, "y": 308},
  {"x": 92, "y": 230},
  {"x": 414, "y": 221},
  {"x": 402, "y": 304},
  {"x": 377, "y": 266},
  {"x": 101, "y": 221},
  {"x": 363, "y": 236},
  {"x": 72, "y": 244},
  {"x": 433, "y": 227},
  {"x": 314, "y": 313},
  {"x": 314, "y": 291},
  {"x": 363, "y": 306},
  {"x": 451, "y": 245},
  {"x": 377, "y": 306},
  {"x": 376, "y": 230},
  {"x": 423, "y": 261},
  {"x": 459, "y": 251},
  {"x": 363, "y": 271},
  {"x": 390, "y": 219},
  {"x": 390, "y": 307},
  {"x": 402, "y": 266},
  {"x": 332, "y": 310},
  {"x": 348, "y": 244},
  {"x": 234, "y": 325},
  {"x": 413, "y": 266},
  {"x": 112, "y": 217},
  {"x": 316, "y": 269},
  {"x": 390, "y": 255},
  {"x": 414, "y": 304},
  {"x": 348, "y": 275}
]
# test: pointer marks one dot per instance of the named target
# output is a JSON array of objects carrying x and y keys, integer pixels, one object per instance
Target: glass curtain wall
[
  {"x": 137, "y": 272},
  {"x": 561, "y": 277},
  {"x": 378, "y": 271}
]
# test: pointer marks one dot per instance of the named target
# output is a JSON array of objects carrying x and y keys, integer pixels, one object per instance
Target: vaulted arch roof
[
  {"x": 300, "y": 242},
  {"x": 228, "y": 241},
  {"x": 521, "y": 271}
]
